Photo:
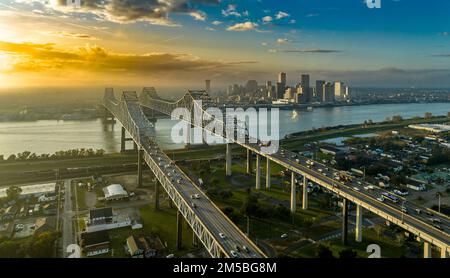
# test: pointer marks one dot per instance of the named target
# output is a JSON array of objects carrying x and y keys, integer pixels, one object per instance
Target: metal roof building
[{"x": 114, "y": 192}]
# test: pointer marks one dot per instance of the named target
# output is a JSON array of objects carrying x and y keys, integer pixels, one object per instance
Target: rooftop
[{"x": 32, "y": 189}]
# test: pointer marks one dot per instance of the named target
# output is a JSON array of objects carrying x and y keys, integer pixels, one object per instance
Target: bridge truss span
[{"x": 207, "y": 221}]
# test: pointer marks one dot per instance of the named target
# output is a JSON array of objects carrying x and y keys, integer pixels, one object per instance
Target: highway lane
[
  {"x": 206, "y": 211},
  {"x": 419, "y": 222}
]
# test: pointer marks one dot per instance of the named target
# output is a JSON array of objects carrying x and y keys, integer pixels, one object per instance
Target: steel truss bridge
[
  {"x": 211, "y": 226},
  {"x": 429, "y": 227}
]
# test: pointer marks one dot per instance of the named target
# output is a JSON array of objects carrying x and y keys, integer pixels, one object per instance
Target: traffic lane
[
  {"x": 317, "y": 175},
  {"x": 392, "y": 210},
  {"x": 208, "y": 214}
]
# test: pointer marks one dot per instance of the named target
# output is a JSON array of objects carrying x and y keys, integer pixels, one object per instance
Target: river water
[{"x": 50, "y": 135}]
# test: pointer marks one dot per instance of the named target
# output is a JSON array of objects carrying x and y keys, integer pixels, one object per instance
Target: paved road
[
  {"x": 206, "y": 211},
  {"x": 68, "y": 233}
]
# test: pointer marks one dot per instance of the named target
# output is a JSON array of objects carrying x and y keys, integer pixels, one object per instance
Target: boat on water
[{"x": 309, "y": 109}]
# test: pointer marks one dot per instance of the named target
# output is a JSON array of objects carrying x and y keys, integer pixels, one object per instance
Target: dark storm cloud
[{"x": 153, "y": 11}]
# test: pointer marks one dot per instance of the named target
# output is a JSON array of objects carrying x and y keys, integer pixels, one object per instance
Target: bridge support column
[
  {"x": 122, "y": 141},
  {"x": 305, "y": 193},
  {"x": 444, "y": 253},
  {"x": 359, "y": 219},
  {"x": 179, "y": 229},
  {"x": 228, "y": 160},
  {"x": 344, "y": 221},
  {"x": 188, "y": 136},
  {"x": 426, "y": 249},
  {"x": 268, "y": 181},
  {"x": 258, "y": 172},
  {"x": 249, "y": 162},
  {"x": 293, "y": 194},
  {"x": 140, "y": 153},
  {"x": 156, "y": 194}
]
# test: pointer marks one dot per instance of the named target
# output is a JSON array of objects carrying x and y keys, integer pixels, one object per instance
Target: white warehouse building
[{"x": 114, "y": 192}]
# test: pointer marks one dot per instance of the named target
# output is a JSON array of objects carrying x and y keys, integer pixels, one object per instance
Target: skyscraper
[
  {"x": 280, "y": 88},
  {"x": 306, "y": 90},
  {"x": 329, "y": 92},
  {"x": 282, "y": 78},
  {"x": 281, "y": 84},
  {"x": 270, "y": 91},
  {"x": 338, "y": 90},
  {"x": 305, "y": 81},
  {"x": 320, "y": 90}
]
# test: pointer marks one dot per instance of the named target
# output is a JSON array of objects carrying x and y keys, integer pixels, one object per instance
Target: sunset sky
[{"x": 165, "y": 43}]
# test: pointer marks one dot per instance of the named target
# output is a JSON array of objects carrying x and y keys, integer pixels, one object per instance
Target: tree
[
  {"x": 13, "y": 193},
  {"x": 43, "y": 245},
  {"x": 12, "y": 157},
  {"x": 324, "y": 252},
  {"x": 8, "y": 249},
  {"x": 347, "y": 253}
]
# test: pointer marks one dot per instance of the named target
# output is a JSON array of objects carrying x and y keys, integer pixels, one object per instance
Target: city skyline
[{"x": 182, "y": 43}]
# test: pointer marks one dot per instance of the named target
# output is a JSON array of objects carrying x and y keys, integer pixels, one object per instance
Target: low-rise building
[
  {"x": 95, "y": 243},
  {"x": 114, "y": 192},
  {"x": 35, "y": 190},
  {"x": 103, "y": 219},
  {"x": 144, "y": 247}
]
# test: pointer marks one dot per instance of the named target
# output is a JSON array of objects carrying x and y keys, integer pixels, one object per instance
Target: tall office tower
[
  {"x": 282, "y": 78},
  {"x": 320, "y": 90},
  {"x": 270, "y": 93},
  {"x": 281, "y": 84},
  {"x": 329, "y": 92},
  {"x": 305, "y": 80},
  {"x": 304, "y": 83},
  {"x": 208, "y": 86},
  {"x": 338, "y": 90},
  {"x": 280, "y": 87}
]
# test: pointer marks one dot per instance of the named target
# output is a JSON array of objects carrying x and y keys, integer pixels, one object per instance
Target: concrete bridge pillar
[
  {"x": 268, "y": 181},
  {"x": 228, "y": 160},
  {"x": 188, "y": 136},
  {"x": 426, "y": 249},
  {"x": 359, "y": 219},
  {"x": 344, "y": 221},
  {"x": 156, "y": 194},
  {"x": 249, "y": 162},
  {"x": 444, "y": 253},
  {"x": 140, "y": 153},
  {"x": 179, "y": 229},
  {"x": 122, "y": 141},
  {"x": 258, "y": 172},
  {"x": 305, "y": 193},
  {"x": 293, "y": 194}
]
